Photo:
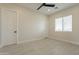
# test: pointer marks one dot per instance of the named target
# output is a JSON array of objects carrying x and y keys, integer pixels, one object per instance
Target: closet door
[{"x": 9, "y": 27}]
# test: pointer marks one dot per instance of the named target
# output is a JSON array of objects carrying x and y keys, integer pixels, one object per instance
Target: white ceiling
[{"x": 44, "y": 10}]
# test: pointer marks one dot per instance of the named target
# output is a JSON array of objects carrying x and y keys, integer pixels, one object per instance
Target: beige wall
[
  {"x": 73, "y": 36},
  {"x": 31, "y": 25}
]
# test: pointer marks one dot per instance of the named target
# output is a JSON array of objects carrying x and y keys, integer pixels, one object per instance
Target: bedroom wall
[
  {"x": 31, "y": 25},
  {"x": 73, "y": 36}
]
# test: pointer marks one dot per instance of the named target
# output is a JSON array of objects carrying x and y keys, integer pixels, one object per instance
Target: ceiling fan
[{"x": 46, "y": 5}]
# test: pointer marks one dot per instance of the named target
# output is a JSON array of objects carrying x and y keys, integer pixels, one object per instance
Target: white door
[{"x": 9, "y": 27}]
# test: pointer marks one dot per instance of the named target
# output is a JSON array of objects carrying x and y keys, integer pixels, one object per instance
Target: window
[
  {"x": 67, "y": 23},
  {"x": 63, "y": 23},
  {"x": 58, "y": 24}
]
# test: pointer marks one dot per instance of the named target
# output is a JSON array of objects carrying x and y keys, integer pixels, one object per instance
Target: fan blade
[
  {"x": 49, "y": 5},
  {"x": 40, "y": 6}
]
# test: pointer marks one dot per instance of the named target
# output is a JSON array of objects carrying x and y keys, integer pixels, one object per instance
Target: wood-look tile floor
[{"x": 41, "y": 47}]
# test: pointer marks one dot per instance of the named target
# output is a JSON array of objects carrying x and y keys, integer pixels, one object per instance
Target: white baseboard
[
  {"x": 72, "y": 42},
  {"x": 25, "y": 41}
]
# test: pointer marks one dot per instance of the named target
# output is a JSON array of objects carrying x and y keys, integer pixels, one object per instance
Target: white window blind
[
  {"x": 63, "y": 23},
  {"x": 67, "y": 23},
  {"x": 58, "y": 24}
]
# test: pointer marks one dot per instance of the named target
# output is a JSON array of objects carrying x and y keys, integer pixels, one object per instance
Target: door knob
[{"x": 15, "y": 31}]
